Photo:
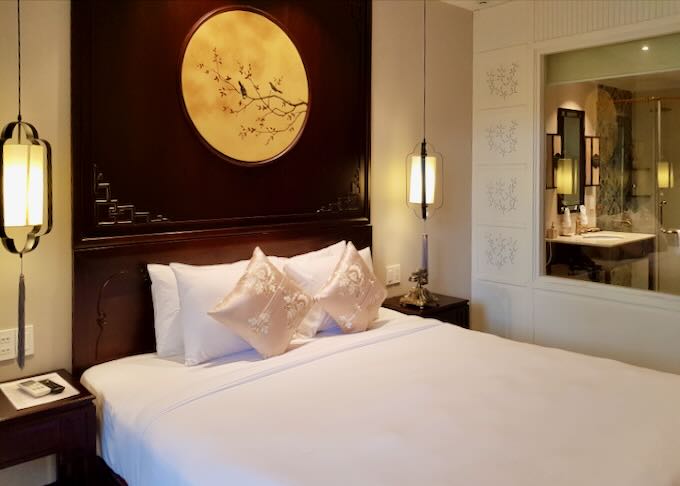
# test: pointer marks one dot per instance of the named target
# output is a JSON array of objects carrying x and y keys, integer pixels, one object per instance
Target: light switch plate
[
  {"x": 8, "y": 343},
  {"x": 393, "y": 274}
]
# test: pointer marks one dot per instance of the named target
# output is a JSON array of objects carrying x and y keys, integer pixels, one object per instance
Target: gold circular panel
[{"x": 244, "y": 86}]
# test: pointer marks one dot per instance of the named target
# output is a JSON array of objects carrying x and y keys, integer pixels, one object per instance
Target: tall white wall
[
  {"x": 510, "y": 295},
  {"x": 397, "y": 112}
]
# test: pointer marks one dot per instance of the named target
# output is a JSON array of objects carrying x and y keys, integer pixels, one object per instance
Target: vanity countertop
[{"x": 602, "y": 239}]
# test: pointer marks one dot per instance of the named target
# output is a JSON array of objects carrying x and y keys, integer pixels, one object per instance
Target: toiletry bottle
[{"x": 566, "y": 223}]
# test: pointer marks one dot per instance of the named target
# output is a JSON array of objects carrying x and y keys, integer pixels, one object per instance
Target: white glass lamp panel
[
  {"x": 14, "y": 184},
  {"x": 565, "y": 176},
  {"x": 416, "y": 180},
  {"x": 36, "y": 186}
]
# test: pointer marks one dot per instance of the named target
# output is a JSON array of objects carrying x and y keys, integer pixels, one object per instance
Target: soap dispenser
[{"x": 566, "y": 223}]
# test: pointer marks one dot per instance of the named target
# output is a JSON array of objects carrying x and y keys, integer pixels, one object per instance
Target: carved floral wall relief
[
  {"x": 502, "y": 195},
  {"x": 502, "y": 138},
  {"x": 500, "y": 250},
  {"x": 503, "y": 81}
]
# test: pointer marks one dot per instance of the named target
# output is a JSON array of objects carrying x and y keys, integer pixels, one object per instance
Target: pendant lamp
[
  {"x": 424, "y": 172},
  {"x": 25, "y": 193}
]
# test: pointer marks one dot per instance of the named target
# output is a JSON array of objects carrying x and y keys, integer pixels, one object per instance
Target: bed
[{"x": 410, "y": 401}]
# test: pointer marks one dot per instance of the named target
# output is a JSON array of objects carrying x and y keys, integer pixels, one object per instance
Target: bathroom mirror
[{"x": 569, "y": 165}]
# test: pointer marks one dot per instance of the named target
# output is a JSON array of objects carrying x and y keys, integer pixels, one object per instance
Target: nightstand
[
  {"x": 65, "y": 427},
  {"x": 450, "y": 309}
]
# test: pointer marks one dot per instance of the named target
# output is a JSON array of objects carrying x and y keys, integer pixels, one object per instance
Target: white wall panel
[
  {"x": 507, "y": 298},
  {"x": 641, "y": 335},
  {"x": 503, "y": 254},
  {"x": 502, "y": 78},
  {"x": 503, "y": 310},
  {"x": 503, "y": 136},
  {"x": 503, "y": 195}
]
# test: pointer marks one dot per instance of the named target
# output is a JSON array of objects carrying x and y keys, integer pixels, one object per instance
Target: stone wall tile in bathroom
[
  {"x": 502, "y": 254},
  {"x": 503, "y": 195},
  {"x": 503, "y": 136},
  {"x": 502, "y": 78}
]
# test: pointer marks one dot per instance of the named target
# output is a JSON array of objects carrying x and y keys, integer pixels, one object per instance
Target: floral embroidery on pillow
[
  {"x": 261, "y": 279},
  {"x": 353, "y": 294},
  {"x": 265, "y": 308},
  {"x": 260, "y": 324},
  {"x": 351, "y": 280},
  {"x": 295, "y": 303}
]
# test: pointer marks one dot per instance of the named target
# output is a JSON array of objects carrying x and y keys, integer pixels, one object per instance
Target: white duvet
[{"x": 411, "y": 402}]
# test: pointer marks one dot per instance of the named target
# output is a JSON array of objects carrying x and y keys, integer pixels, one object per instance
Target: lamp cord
[
  {"x": 19, "y": 53},
  {"x": 424, "y": 66}
]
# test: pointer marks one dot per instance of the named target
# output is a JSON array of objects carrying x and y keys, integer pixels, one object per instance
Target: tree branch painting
[
  {"x": 244, "y": 86},
  {"x": 277, "y": 114}
]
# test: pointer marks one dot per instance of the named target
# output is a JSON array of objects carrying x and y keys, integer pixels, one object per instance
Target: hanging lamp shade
[
  {"x": 424, "y": 175},
  {"x": 26, "y": 189}
]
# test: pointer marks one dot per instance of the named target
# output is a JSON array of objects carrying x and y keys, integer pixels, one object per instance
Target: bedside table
[
  {"x": 450, "y": 309},
  {"x": 65, "y": 427}
]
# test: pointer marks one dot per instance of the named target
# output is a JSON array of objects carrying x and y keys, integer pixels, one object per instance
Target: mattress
[{"x": 411, "y": 401}]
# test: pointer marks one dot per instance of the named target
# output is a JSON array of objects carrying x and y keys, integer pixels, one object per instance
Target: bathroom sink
[{"x": 595, "y": 236}]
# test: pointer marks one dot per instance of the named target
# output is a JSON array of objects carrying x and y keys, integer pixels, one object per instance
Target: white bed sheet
[{"x": 413, "y": 401}]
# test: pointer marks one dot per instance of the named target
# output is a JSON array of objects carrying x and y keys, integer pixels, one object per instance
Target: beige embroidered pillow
[
  {"x": 353, "y": 294},
  {"x": 265, "y": 308}
]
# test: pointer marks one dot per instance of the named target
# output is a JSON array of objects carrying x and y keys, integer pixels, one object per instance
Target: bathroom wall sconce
[
  {"x": 553, "y": 147},
  {"x": 592, "y": 160},
  {"x": 664, "y": 174}
]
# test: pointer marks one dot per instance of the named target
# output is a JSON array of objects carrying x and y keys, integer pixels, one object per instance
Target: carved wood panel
[{"x": 155, "y": 175}]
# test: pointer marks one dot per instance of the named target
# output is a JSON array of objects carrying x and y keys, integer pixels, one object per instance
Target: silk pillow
[
  {"x": 311, "y": 275},
  {"x": 353, "y": 294},
  {"x": 265, "y": 308}
]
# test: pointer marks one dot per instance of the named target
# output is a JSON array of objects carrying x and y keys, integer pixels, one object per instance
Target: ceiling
[
  {"x": 645, "y": 82},
  {"x": 475, "y": 4}
]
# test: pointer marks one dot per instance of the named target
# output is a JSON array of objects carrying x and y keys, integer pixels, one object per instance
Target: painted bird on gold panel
[
  {"x": 244, "y": 93},
  {"x": 274, "y": 88}
]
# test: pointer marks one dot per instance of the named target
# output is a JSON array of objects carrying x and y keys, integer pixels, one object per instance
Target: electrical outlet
[
  {"x": 393, "y": 274},
  {"x": 8, "y": 347},
  {"x": 8, "y": 343}
]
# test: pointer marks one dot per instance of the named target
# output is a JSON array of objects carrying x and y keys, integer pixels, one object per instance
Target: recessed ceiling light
[{"x": 645, "y": 48}]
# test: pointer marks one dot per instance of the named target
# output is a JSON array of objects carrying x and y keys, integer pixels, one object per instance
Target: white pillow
[
  {"x": 166, "y": 323},
  {"x": 311, "y": 274},
  {"x": 336, "y": 249},
  {"x": 200, "y": 289}
]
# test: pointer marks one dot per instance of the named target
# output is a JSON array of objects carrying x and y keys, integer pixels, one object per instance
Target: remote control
[
  {"x": 34, "y": 388},
  {"x": 55, "y": 388}
]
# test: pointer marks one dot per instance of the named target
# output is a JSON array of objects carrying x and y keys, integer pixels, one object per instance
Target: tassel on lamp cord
[{"x": 21, "y": 334}]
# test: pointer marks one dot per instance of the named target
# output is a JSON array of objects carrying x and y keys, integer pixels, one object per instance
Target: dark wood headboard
[
  {"x": 113, "y": 312},
  {"x": 147, "y": 189}
]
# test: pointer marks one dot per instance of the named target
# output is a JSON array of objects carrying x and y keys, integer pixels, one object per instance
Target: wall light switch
[
  {"x": 393, "y": 274},
  {"x": 8, "y": 343}
]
